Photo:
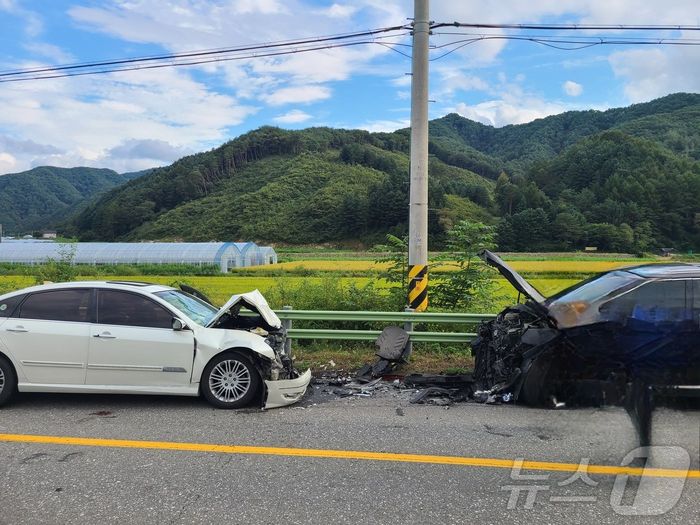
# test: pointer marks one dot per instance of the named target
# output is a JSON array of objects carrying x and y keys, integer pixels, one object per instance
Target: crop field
[{"x": 524, "y": 266}]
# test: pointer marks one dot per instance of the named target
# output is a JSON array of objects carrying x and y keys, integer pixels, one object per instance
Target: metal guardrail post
[
  {"x": 408, "y": 326},
  {"x": 287, "y": 325}
]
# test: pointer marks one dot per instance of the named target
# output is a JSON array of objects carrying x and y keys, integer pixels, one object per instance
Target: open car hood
[
  {"x": 512, "y": 276},
  {"x": 253, "y": 301}
]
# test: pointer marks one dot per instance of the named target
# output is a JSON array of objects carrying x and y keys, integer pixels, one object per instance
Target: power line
[
  {"x": 379, "y": 36},
  {"x": 565, "y": 44},
  {"x": 49, "y": 75},
  {"x": 572, "y": 27},
  {"x": 180, "y": 59}
]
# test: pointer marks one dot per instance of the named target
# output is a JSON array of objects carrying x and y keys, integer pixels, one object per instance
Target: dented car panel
[
  {"x": 638, "y": 322},
  {"x": 253, "y": 301},
  {"x": 285, "y": 392}
]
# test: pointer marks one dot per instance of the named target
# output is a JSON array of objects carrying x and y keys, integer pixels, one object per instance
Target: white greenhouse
[{"x": 225, "y": 255}]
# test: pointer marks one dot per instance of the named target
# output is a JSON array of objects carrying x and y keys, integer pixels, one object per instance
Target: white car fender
[{"x": 213, "y": 341}]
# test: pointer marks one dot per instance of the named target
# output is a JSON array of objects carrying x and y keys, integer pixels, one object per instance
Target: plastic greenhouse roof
[{"x": 112, "y": 253}]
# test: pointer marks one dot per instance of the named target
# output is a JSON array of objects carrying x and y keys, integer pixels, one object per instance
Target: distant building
[
  {"x": 225, "y": 255},
  {"x": 48, "y": 234}
]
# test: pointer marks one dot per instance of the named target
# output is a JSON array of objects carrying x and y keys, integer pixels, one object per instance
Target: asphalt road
[{"x": 102, "y": 483}]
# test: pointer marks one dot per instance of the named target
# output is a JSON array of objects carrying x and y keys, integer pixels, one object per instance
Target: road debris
[{"x": 392, "y": 350}]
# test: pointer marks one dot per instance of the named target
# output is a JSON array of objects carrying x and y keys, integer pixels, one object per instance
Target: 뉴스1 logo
[{"x": 645, "y": 495}]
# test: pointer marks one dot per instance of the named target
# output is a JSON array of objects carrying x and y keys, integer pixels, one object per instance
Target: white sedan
[{"x": 140, "y": 338}]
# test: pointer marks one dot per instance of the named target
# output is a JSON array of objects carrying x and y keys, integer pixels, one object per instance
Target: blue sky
[{"x": 134, "y": 120}]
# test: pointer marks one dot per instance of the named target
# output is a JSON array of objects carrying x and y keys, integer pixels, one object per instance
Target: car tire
[
  {"x": 230, "y": 380},
  {"x": 537, "y": 389},
  {"x": 8, "y": 381}
]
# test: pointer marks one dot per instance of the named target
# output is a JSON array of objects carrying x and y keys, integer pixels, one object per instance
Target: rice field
[{"x": 528, "y": 267}]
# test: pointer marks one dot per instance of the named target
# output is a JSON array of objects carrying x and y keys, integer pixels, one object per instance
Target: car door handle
[
  {"x": 18, "y": 329},
  {"x": 105, "y": 335}
]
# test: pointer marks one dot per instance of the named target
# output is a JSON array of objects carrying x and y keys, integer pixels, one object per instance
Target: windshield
[
  {"x": 196, "y": 309},
  {"x": 596, "y": 287}
]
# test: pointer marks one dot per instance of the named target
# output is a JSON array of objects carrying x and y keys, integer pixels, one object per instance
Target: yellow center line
[{"x": 610, "y": 470}]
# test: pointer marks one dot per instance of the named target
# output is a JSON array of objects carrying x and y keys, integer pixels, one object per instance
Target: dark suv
[{"x": 594, "y": 341}]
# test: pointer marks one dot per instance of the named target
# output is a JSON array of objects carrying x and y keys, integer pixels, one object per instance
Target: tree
[
  {"x": 470, "y": 284},
  {"x": 396, "y": 272},
  {"x": 59, "y": 270},
  {"x": 569, "y": 228}
]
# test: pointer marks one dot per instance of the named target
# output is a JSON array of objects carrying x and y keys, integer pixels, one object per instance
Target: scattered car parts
[{"x": 392, "y": 349}]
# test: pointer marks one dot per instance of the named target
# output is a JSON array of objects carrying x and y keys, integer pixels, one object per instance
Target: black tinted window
[
  {"x": 128, "y": 309},
  {"x": 7, "y": 306},
  {"x": 58, "y": 305},
  {"x": 655, "y": 302}
]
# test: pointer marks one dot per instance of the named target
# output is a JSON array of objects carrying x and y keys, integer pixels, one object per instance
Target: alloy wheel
[{"x": 229, "y": 380}]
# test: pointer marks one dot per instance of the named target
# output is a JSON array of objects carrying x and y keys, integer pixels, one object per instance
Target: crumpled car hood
[
  {"x": 513, "y": 277},
  {"x": 253, "y": 301}
]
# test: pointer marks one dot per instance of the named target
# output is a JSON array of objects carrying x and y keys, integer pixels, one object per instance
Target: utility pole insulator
[{"x": 418, "y": 203}]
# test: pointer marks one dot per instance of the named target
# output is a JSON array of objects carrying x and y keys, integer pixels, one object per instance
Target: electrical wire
[
  {"x": 572, "y": 27},
  {"x": 177, "y": 58},
  {"x": 558, "y": 43},
  {"x": 378, "y": 36}
]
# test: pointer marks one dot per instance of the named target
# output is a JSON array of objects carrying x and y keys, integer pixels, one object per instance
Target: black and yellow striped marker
[{"x": 418, "y": 287}]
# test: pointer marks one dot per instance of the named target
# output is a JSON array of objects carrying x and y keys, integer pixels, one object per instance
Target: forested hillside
[
  {"x": 37, "y": 198},
  {"x": 624, "y": 179}
]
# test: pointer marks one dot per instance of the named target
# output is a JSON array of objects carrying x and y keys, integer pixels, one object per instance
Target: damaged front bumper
[{"x": 283, "y": 392}]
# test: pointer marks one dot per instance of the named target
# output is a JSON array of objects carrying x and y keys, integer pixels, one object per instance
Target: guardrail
[{"x": 408, "y": 318}]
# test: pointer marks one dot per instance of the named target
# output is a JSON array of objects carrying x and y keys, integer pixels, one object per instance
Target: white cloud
[
  {"x": 7, "y": 163},
  {"x": 377, "y": 126},
  {"x": 33, "y": 24},
  {"x": 147, "y": 149},
  {"x": 297, "y": 95},
  {"x": 571, "y": 88},
  {"x": 338, "y": 11},
  {"x": 651, "y": 73},
  {"x": 294, "y": 116},
  {"x": 52, "y": 52},
  {"x": 86, "y": 118},
  {"x": 512, "y": 104},
  {"x": 266, "y": 7},
  {"x": 403, "y": 81},
  {"x": 454, "y": 80}
]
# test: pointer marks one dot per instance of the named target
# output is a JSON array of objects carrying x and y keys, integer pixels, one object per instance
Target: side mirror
[{"x": 178, "y": 325}]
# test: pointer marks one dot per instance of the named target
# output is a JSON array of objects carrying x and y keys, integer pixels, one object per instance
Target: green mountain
[
  {"x": 38, "y": 198},
  {"x": 593, "y": 177}
]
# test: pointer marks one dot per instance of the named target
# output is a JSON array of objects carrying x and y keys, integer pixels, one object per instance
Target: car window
[
  {"x": 129, "y": 309},
  {"x": 58, "y": 305},
  {"x": 7, "y": 306},
  {"x": 596, "y": 287},
  {"x": 194, "y": 308},
  {"x": 654, "y": 302}
]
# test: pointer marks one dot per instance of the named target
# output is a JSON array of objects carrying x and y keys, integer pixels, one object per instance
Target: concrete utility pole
[{"x": 418, "y": 204}]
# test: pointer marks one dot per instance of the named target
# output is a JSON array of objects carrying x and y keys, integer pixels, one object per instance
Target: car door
[
  {"x": 133, "y": 343},
  {"x": 48, "y": 335}
]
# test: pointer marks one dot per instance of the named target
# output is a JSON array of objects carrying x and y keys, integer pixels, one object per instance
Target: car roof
[
  {"x": 116, "y": 285},
  {"x": 669, "y": 270}
]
